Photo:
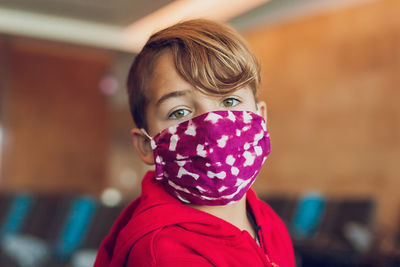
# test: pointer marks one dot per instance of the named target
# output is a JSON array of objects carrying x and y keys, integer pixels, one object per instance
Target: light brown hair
[{"x": 209, "y": 55}]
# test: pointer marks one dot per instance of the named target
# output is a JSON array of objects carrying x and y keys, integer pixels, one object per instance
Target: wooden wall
[
  {"x": 332, "y": 85},
  {"x": 55, "y": 117}
]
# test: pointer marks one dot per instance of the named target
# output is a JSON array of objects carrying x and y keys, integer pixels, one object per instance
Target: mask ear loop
[
  {"x": 146, "y": 134},
  {"x": 152, "y": 142}
]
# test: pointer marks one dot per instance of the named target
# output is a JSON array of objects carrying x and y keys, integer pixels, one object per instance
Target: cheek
[
  {"x": 156, "y": 127},
  {"x": 159, "y": 125},
  {"x": 248, "y": 105},
  {"x": 252, "y": 107},
  {"x": 156, "y": 121},
  {"x": 153, "y": 123}
]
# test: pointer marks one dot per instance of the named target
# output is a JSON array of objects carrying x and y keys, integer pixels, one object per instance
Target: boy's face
[{"x": 173, "y": 100}]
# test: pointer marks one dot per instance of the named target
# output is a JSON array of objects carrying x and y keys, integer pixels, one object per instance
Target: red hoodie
[{"x": 158, "y": 230}]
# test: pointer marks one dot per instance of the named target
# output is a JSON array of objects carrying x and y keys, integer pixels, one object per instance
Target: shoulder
[
  {"x": 165, "y": 247},
  {"x": 277, "y": 236}
]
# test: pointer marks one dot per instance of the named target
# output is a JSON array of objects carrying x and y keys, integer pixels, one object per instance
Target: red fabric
[{"x": 158, "y": 230}]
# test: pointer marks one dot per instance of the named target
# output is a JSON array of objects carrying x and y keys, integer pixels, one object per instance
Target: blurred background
[{"x": 330, "y": 77}]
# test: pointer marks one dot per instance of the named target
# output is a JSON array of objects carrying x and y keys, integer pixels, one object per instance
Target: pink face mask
[{"x": 211, "y": 159}]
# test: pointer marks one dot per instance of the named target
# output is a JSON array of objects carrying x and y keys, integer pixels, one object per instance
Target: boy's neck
[{"x": 235, "y": 214}]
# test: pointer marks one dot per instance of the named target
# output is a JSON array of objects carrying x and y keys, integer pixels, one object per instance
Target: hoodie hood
[{"x": 156, "y": 209}]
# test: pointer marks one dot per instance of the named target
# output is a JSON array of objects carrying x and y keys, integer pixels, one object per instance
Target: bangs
[{"x": 214, "y": 59}]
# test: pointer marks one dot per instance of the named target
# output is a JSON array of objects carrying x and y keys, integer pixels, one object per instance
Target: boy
[{"x": 192, "y": 93}]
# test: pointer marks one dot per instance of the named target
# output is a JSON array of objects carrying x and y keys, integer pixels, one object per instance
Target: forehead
[{"x": 164, "y": 78}]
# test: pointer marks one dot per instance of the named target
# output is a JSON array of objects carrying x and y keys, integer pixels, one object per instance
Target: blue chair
[
  {"x": 75, "y": 227},
  {"x": 307, "y": 216},
  {"x": 16, "y": 214}
]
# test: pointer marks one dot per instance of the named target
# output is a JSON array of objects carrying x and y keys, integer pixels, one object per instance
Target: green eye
[
  {"x": 230, "y": 102},
  {"x": 180, "y": 113}
]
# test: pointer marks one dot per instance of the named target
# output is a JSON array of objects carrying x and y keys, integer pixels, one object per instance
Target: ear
[
  {"x": 262, "y": 109},
  {"x": 142, "y": 145}
]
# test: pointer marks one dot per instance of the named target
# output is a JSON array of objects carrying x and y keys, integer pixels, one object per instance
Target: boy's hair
[{"x": 208, "y": 55}]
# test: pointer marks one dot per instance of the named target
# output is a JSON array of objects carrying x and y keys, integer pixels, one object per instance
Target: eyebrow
[{"x": 171, "y": 95}]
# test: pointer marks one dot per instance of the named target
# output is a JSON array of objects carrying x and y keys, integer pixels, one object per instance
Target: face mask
[{"x": 211, "y": 159}]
